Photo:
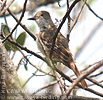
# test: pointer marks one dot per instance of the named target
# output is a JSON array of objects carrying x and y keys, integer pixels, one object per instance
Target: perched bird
[{"x": 61, "y": 52}]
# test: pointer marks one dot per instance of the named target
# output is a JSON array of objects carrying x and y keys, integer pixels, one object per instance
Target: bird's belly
[{"x": 40, "y": 46}]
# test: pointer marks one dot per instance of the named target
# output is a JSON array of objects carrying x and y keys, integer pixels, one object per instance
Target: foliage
[{"x": 20, "y": 39}]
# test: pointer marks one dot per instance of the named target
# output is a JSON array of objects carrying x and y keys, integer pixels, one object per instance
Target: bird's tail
[{"x": 77, "y": 73}]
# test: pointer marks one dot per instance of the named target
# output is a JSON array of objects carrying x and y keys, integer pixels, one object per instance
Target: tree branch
[
  {"x": 5, "y": 8},
  {"x": 61, "y": 24},
  {"x": 23, "y": 26},
  {"x": 84, "y": 75},
  {"x": 94, "y": 12},
  {"x": 18, "y": 22},
  {"x": 8, "y": 77}
]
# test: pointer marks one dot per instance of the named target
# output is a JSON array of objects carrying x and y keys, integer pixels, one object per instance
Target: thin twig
[
  {"x": 8, "y": 5},
  {"x": 100, "y": 73},
  {"x": 68, "y": 35},
  {"x": 60, "y": 82},
  {"x": 75, "y": 21},
  {"x": 94, "y": 91},
  {"x": 2, "y": 5},
  {"x": 24, "y": 9},
  {"x": 6, "y": 23},
  {"x": 44, "y": 87},
  {"x": 38, "y": 68},
  {"x": 95, "y": 82},
  {"x": 23, "y": 26},
  {"x": 27, "y": 50},
  {"x": 29, "y": 79},
  {"x": 94, "y": 12},
  {"x": 61, "y": 24},
  {"x": 61, "y": 73},
  {"x": 19, "y": 64},
  {"x": 70, "y": 80},
  {"x": 84, "y": 75}
]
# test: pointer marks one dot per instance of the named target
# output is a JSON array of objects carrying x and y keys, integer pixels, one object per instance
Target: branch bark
[{"x": 9, "y": 81}]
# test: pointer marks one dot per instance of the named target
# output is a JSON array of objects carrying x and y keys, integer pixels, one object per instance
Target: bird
[{"x": 61, "y": 52}]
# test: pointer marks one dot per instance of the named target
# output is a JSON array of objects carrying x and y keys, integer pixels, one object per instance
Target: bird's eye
[{"x": 41, "y": 14}]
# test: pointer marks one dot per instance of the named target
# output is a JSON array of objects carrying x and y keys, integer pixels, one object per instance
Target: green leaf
[
  {"x": 74, "y": 91},
  {"x": 32, "y": 28},
  {"x": 90, "y": 1},
  {"x": 25, "y": 66},
  {"x": 21, "y": 38},
  {"x": 5, "y": 29},
  {"x": 7, "y": 45}
]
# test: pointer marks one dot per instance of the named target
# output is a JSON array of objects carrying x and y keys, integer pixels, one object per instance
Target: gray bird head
[{"x": 43, "y": 19}]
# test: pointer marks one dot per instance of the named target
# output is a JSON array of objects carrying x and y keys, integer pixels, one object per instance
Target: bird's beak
[{"x": 31, "y": 18}]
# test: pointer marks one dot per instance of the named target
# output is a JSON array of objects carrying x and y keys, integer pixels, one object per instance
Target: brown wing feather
[
  {"x": 61, "y": 52},
  {"x": 65, "y": 57}
]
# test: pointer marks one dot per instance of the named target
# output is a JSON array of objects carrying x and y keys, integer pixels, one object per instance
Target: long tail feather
[{"x": 77, "y": 73}]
